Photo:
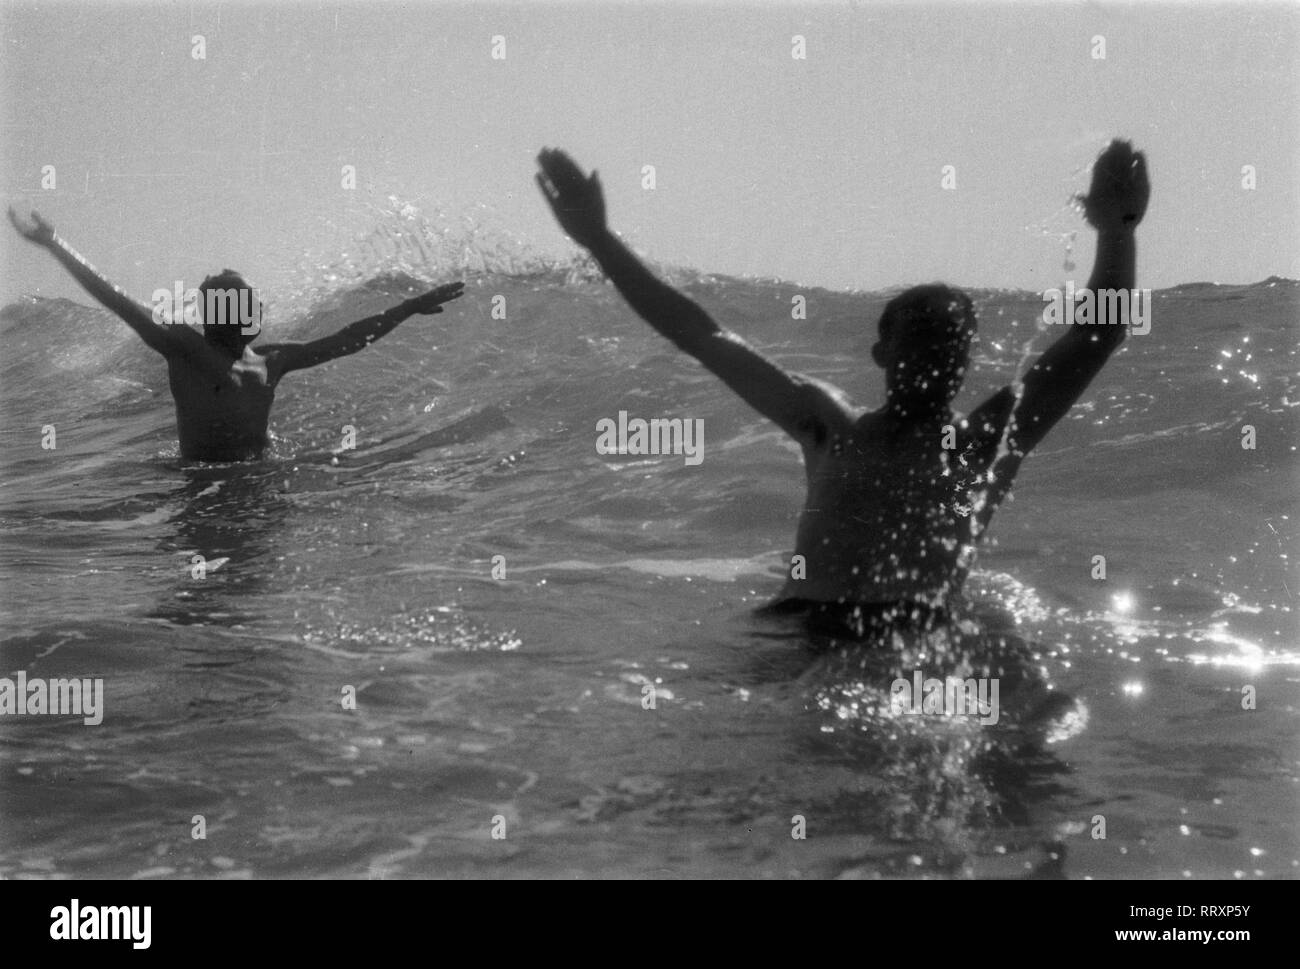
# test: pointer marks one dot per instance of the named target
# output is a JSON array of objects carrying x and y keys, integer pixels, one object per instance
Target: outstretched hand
[
  {"x": 38, "y": 231},
  {"x": 576, "y": 199},
  {"x": 431, "y": 302},
  {"x": 1119, "y": 192}
]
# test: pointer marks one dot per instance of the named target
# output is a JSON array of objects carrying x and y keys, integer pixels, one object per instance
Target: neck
[
  {"x": 233, "y": 352},
  {"x": 917, "y": 412}
]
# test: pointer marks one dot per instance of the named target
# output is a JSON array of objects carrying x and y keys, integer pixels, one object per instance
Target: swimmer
[
  {"x": 222, "y": 386},
  {"x": 898, "y": 496}
]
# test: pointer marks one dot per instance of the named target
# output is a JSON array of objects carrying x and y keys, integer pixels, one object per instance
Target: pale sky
[{"x": 825, "y": 171}]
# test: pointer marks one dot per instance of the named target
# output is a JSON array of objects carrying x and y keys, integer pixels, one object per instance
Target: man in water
[
  {"x": 223, "y": 388},
  {"x": 897, "y": 497}
]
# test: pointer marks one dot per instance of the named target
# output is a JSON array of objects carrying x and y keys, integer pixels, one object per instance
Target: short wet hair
[
  {"x": 231, "y": 335},
  {"x": 226, "y": 279},
  {"x": 944, "y": 310}
]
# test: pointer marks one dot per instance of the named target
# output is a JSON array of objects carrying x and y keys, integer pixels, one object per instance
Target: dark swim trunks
[{"x": 862, "y": 620}]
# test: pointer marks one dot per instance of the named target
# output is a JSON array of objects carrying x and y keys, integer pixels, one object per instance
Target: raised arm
[
  {"x": 1114, "y": 206},
  {"x": 284, "y": 357},
  {"x": 166, "y": 339},
  {"x": 795, "y": 403}
]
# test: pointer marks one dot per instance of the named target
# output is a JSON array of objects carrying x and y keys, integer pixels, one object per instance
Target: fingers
[
  {"x": 1118, "y": 166},
  {"x": 430, "y": 302},
  {"x": 561, "y": 171},
  {"x": 1120, "y": 156},
  {"x": 1118, "y": 148},
  {"x": 37, "y": 229},
  {"x": 26, "y": 230},
  {"x": 554, "y": 159},
  {"x": 1117, "y": 156},
  {"x": 548, "y": 162}
]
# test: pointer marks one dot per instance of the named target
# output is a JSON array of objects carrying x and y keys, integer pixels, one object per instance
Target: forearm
[
  {"x": 1060, "y": 376},
  {"x": 358, "y": 335},
  {"x": 1116, "y": 264},
  {"x": 676, "y": 316},
  {"x": 92, "y": 281}
]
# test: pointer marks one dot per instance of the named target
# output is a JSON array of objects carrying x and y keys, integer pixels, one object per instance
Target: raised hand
[
  {"x": 1119, "y": 192},
  {"x": 576, "y": 199},
  {"x": 431, "y": 302},
  {"x": 39, "y": 231}
]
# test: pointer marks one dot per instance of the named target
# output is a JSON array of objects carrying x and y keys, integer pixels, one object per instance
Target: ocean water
[{"x": 514, "y": 704}]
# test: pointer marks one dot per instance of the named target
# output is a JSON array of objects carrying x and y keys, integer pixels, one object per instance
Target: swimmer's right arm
[
  {"x": 167, "y": 340},
  {"x": 1114, "y": 206},
  {"x": 794, "y": 403}
]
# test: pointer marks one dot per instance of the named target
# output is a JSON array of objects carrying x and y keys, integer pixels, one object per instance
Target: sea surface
[{"x": 500, "y": 725}]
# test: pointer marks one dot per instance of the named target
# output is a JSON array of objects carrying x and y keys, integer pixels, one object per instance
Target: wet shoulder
[
  {"x": 980, "y": 434},
  {"x": 829, "y": 414}
]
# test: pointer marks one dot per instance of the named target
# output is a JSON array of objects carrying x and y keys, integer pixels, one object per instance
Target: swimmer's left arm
[
  {"x": 285, "y": 357},
  {"x": 1114, "y": 206}
]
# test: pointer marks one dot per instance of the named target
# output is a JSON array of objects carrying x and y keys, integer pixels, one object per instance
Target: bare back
[{"x": 891, "y": 513}]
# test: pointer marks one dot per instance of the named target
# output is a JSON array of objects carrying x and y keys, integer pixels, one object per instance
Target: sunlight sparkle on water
[{"x": 1247, "y": 655}]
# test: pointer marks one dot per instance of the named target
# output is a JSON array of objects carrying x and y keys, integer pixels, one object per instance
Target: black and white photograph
[{"x": 691, "y": 441}]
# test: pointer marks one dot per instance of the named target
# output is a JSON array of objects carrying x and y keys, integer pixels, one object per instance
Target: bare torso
[{"x": 223, "y": 404}]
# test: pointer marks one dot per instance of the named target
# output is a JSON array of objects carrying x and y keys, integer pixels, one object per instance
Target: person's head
[
  {"x": 924, "y": 347},
  {"x": 232, "y": 314}
]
